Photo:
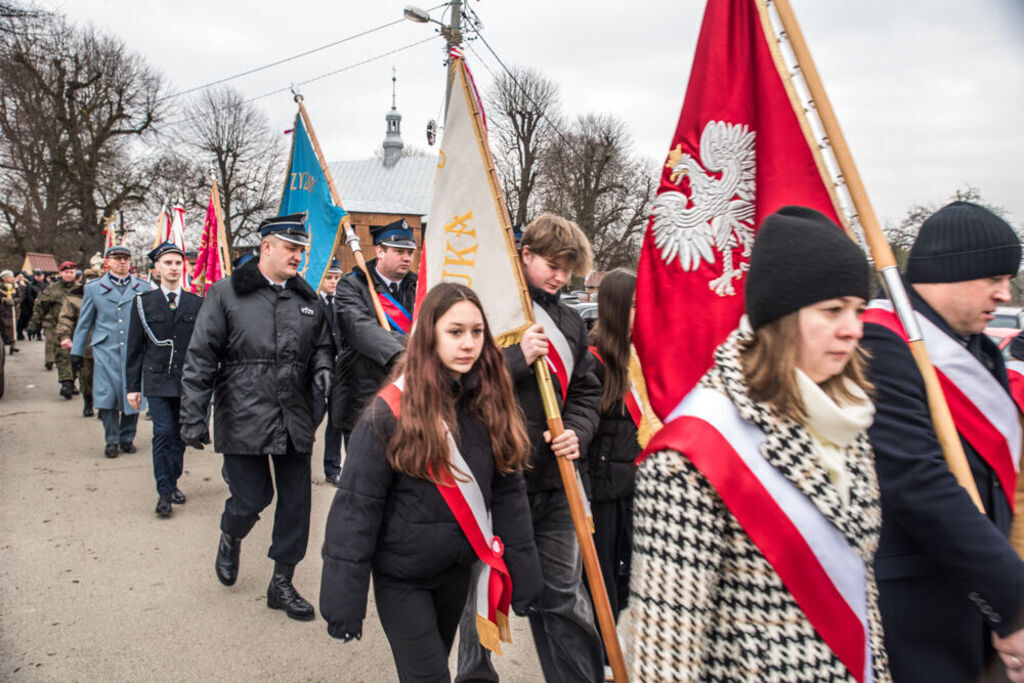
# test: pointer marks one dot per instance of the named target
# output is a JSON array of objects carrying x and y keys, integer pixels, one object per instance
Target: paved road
[{"x": 93, "y": 586}]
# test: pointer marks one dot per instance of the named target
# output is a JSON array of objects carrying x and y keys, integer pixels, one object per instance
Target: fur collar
[{"x": 248, "y": 279}]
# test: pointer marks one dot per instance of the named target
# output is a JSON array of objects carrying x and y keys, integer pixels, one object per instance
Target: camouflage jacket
[
  {"x": 48, "y": 304},
  {"x": 68, "y": 318}
]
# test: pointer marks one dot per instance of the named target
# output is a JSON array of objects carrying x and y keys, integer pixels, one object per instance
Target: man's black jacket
[
  {"x": 255, "y": 350},
  {"x": 156, "y": 368}
]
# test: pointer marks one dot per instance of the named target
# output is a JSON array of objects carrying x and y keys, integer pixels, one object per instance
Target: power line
[{"x": 287, "y": 59}]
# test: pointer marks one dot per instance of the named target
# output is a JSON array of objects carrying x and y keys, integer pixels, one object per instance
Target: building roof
[
  {"x": 35, "y": 260},
  {"x": 593, "y": 280},
  {"x": 368, "y": 186}
]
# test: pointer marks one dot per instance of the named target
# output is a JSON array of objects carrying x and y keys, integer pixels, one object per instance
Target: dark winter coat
[
  {"x": 582, "y": 404},
  {"x": 256, "y": 351},
  {"x": 946, "y": 574},
  {"x": 401, "y": 527},
  {"x": 152, "y": 368},
  {"x": 612, "y": 451},
  {"x": 368, "y": 350}
]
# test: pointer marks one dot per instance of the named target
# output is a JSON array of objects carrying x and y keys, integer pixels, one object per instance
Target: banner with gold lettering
[{"x": 469, "y": 236}]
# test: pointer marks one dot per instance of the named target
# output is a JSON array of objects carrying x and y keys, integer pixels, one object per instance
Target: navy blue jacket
[
  {"x": 156, "y": 368},
  {"x": 947, "y": 575}
]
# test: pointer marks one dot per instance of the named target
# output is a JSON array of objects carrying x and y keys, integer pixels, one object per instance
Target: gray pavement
[{"x": 93, "y": 586}]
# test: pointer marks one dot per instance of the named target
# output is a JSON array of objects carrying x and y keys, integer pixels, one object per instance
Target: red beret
[{"x": 68, "y": 265}]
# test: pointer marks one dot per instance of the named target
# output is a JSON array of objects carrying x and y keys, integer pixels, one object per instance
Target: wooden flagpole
[
  {"x": 222, "y": 245},
  {"x": 345, "y": 226},
  {"x": 881, "y": 252},
  {"x": 566, "y": 468}
]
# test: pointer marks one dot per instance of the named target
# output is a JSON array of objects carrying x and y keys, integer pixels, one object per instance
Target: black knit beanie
[
  {"x": 800, "y": 257},
  {"x": 963, "y": 241}
]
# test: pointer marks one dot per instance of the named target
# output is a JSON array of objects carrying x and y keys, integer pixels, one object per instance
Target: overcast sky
[{"x": 929, "y": 93}]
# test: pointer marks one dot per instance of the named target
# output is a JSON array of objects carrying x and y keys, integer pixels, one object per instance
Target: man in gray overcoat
[{"x": 106, "y": 315}]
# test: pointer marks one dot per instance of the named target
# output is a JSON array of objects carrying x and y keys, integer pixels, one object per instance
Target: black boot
[
  {"x": 48, "y": 365},
  {"x": 163, "y": 506},
  {"x": 87, "y": 407},
  {"x": 111, "y": 450},
  {"x": 281, "y": 594},
  {"x": 227, "y": 559},
  {"x": 67, "y": 389}
]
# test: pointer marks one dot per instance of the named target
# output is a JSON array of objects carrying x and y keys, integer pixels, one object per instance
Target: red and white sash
[
  {"x": 562, "y": 363},
  {"x": 466, "y": 501},
  {"x": 631, "y": 397},
  {"x": 1015, "y": 373},
  {"x": 560, "y": 358},
  {"x": 983, "y": 413},
  {"x": 815, "y": 562}
]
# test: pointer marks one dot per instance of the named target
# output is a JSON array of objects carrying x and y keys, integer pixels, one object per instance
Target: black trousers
[
  {"x": 420, "y": 619},
  {"x": 332, "y": 435},
  {"x": 613, "y": 540},
  {"x": 249, "y": 481}
]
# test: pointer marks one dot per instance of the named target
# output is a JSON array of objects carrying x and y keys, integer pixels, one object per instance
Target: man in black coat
[
  {"x": 263, "y": 342},
  {"x": 161, "y": 326},
  {"x": 325, "y": 404},
  {"x": 949, "y": 581},
  {"x": 369, "y": 350}
]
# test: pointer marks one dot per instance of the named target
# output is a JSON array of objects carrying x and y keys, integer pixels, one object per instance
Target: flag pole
[
  {"x": 881, "y": 252},
  {"x": 222, "y": 245},
  {"x": 351, "y": 240},
  {"x": 566, "y": 468}
]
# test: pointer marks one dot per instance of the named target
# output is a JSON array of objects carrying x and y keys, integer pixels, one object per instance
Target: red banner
[
  {"x": 212, "y": 262},
  {"x": 738, "y": 154}
]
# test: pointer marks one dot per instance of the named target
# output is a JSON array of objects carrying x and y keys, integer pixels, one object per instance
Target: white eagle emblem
[{"x": 719, "y": 213}]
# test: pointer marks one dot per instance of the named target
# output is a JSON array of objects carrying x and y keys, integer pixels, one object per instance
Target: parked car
[
  {"x": 587, "y": 311},
  {"x": 1002, "y": 336},
  {"x": 1008, "y": 316}
]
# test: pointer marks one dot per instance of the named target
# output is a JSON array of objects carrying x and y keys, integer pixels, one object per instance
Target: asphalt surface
[{"x": 93, "y": 586}]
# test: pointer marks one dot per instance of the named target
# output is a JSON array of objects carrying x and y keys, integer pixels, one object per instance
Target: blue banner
[{"x": 306, "y": 189}]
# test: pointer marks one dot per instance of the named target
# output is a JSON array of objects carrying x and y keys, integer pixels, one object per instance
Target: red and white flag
[
  {"x": 470, "y": 240},
  {"x": 177, "y": 231},
  {"x": 163, "y": 227},
  {"x": 739, "y": 153},
  {"x": 212, "y": 262}
]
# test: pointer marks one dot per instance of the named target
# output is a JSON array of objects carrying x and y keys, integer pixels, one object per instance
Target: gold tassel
[
  {"x": 649, "y": 422},
  {"x": 489, "y": 634},
  {"x": 515, "y": 336},
  {"x": 504, "y": 630}
]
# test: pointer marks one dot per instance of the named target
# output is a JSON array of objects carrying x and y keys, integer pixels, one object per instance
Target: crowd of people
[{"x": 795, "y": 519}]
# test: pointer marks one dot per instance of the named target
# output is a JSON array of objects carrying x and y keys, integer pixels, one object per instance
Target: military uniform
[
  {"x": 44, "y": 315},
  {"x": 70, "y": 311},
  {"x": 10, "y": 297}
]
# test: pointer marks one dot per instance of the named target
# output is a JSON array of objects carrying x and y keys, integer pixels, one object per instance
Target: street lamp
[{"x": 420, "y": 16}]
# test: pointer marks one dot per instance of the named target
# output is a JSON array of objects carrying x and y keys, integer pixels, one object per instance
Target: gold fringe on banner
[
  {"x": 515, "y": 336},
  {"x": 649, "y": 422},
  {"x": 504, "y": 630}
]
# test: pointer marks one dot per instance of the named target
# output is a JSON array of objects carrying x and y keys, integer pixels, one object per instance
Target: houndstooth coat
[{"x": 705, "y": 603}]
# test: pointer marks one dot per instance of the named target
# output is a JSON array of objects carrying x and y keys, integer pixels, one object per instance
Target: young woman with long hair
[
  {"x": 432, "y": 495},
  {"x": 757, "y": 513}
]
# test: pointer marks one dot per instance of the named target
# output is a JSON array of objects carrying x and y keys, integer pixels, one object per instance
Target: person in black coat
[
  {"x": 161, "y": 326},
  {"x": 615, "y": 445},
  {"x": 368, "y": 350},
  {"x": 390, "y": 518},
  {"x": 262, "y": 342},
  {"x": 325, "y": 404},
  {"x": 949, "y": 581}
]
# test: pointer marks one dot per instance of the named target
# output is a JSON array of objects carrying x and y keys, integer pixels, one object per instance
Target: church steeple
[{"x": 393, "y": 138}]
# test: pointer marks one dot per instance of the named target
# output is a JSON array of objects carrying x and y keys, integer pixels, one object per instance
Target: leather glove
[
  {"x": 77, "y": 363},
  {"x": 337, "y": 631},
  {"x": 195, "y": 435},
  {"x": 322, "y": 382}
]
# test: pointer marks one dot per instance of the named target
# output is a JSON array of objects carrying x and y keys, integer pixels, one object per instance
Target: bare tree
[
  {"x": 591, "y": 176},
  {"x": 81, "y": 98},
  {"x": 235, "y": 138},
  {"x": 522, "y": 111}
]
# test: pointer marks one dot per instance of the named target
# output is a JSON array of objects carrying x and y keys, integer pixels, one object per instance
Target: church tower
[{"x": 393, "y": 138}]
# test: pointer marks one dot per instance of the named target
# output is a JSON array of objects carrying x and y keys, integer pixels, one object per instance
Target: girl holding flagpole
[
  {"x": 756, "y": 510},
  {"x": 432, "y": 496}
]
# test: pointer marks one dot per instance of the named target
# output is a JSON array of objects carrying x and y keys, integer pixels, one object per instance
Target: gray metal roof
[{"x": 367, "y": 186}]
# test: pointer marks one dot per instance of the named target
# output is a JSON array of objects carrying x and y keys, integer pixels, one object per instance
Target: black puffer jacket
[
  {"x": 612, "y": 452},
  {"x": 401, "y": 527},
  {"x": 256, "y": 351},
  {"x": 582, "y": 403},
  {"x": 367, "y": 349}
]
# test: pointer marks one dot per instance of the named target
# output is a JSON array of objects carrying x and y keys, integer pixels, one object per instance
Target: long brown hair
[
  {"x": 419, "y": 446},
  {"x": 769, "y": 368},
  {"x": 611, "y": 334}
]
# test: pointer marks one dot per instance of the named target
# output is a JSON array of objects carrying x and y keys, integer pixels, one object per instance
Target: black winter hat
[
  {"x": 963, "y": 241},
  {"x": 800, "y": 257}
]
